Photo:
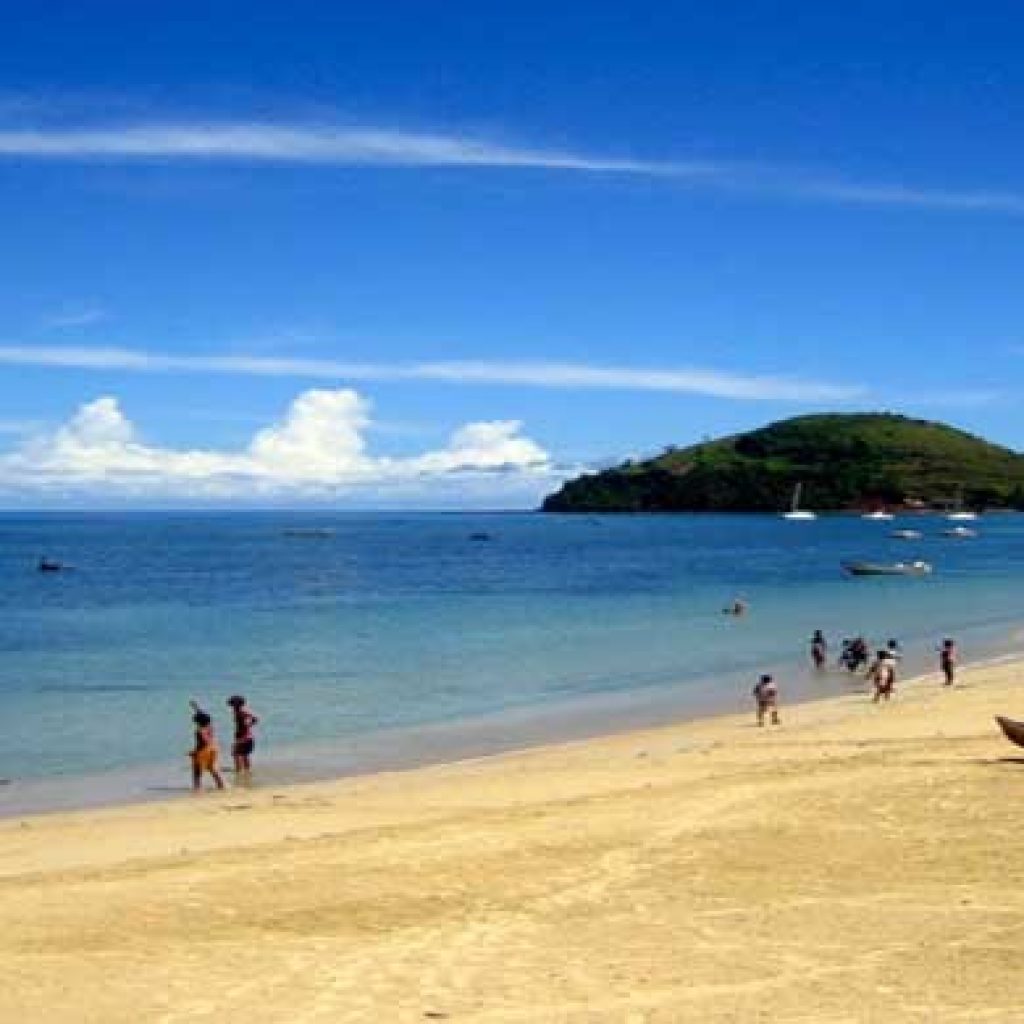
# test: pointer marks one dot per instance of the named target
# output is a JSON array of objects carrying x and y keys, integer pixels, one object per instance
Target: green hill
[{"x": 843, "y": 461}]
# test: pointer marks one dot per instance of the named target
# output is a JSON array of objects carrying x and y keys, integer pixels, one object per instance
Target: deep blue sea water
[{"x": 399, "y": 631}]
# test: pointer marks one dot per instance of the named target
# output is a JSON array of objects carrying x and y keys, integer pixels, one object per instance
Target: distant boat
[
  {"x": 1013, "y": 731},
  {"x": 308, "y": 531},
  {"x": 959, "y": 531},
  {"x": 960, "y": 514},
  {"x": 879, "y": 514},
  {"x": 480, "y": 536},
  {"x": 916, "y": 568},
  {"x": 795, "y": 511},
  {"x": 49, "y": 565},
  {"x": 906, "y": 534}
]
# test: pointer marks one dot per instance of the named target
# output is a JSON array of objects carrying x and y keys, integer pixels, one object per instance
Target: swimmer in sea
[{"x": 819, "y": 650}]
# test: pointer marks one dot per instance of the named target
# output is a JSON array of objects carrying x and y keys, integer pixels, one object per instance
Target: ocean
[{"x": 376, "y": 640}]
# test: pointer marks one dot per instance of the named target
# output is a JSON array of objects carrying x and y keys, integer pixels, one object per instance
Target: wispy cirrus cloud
[
  {"x": 71, "y": 318},
  {"x": 569, "y": 376},
  {"x": 311, "y": 145},
  {"x": 341, "y": 145}
]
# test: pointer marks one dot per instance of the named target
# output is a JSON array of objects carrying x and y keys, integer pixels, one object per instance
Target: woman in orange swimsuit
[{"x": 204, "y": 754}]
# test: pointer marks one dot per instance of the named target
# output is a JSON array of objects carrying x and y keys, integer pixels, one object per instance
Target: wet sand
[{"x": 855, "y": 864}]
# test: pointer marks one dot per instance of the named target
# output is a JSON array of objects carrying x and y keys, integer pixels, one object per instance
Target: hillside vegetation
[{"x": 843, "y": 461}]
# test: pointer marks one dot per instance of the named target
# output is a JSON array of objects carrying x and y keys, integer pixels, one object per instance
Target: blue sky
[{"x": 447, "y": 253}]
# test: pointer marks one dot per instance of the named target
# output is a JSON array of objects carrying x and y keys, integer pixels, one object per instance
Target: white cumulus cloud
[
  {"x": 317, "y": 449},
  {"x": 495, "y": 446},
  {"x": 320, "y": 438}
]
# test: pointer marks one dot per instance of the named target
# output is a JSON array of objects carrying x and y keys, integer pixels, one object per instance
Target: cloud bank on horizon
[
  {"x": 342, "y": 145},
  {"x": 317, "y": 450}
]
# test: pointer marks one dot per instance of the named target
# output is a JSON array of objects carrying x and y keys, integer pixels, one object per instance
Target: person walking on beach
[
  {"x": 947, "y": 660},
  {"x": 882, "y": 674},
  {"x": 245, "y": 741},
  {"x": 204, "y": 753},
  {"x": 819, "y": 650},
  {"x": 766, "y": 694}
]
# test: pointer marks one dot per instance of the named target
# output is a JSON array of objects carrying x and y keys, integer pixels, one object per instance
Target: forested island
[{"x": 843, "y": 462}]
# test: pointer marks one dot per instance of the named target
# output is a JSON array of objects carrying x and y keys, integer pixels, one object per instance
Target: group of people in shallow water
[
  {"x": 205, "y": 752},
  {"x": 854, "y": 655}
]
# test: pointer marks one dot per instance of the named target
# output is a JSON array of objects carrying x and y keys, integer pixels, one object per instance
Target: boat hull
[
  {"x": 895, "y": 569},
  {"x": 1013, "y": 731}
]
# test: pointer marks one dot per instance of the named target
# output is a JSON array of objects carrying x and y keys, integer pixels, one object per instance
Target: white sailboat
[
  {"x": 795, "y": 511},
  {"x": 959, "y": 514}
]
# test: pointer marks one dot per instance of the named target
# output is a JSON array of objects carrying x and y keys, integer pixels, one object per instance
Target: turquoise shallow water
[{"x": 403, "y": 633}]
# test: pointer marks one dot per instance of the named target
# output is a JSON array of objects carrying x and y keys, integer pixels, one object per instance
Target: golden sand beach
[{"x": 855, "y": 864}]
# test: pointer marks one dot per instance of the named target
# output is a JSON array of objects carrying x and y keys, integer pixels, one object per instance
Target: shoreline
[
  {"x": 809, "y": 709},
  {"x": 518, "y": 729},
  {"x": 855, "y": 863}
]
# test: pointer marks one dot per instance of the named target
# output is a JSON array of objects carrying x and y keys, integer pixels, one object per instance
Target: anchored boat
[
  {"x": 915, "y": 568},
  {"x": 795, "y": 511}
]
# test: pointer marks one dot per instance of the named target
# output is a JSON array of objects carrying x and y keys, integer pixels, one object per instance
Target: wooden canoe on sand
[{"x": 1013, "y": 731}]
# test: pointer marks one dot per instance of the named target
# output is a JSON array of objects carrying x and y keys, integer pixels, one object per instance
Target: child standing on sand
[
  {"x": 947, "y": 660},
  {"x": 204, "y": 754},
  {"x": 766, "y": 694}
]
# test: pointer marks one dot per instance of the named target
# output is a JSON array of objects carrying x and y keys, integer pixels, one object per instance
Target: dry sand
[{"x": 856, "y": 864}]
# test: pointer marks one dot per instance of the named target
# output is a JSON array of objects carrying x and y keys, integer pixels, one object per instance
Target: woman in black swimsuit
[{"x": 244, "y": 742}]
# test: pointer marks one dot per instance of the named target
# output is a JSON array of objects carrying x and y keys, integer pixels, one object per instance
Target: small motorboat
[
  {"x": 906, "y": 534},
  {"x": 879, "y": 515},
  {"x": 1013, "y": 731},
  {"x": 960, "y": 531},
  {"x": 915, "y": 568}
]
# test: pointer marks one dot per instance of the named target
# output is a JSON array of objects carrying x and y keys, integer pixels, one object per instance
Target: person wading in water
[{"x": 244, "y": 742}]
